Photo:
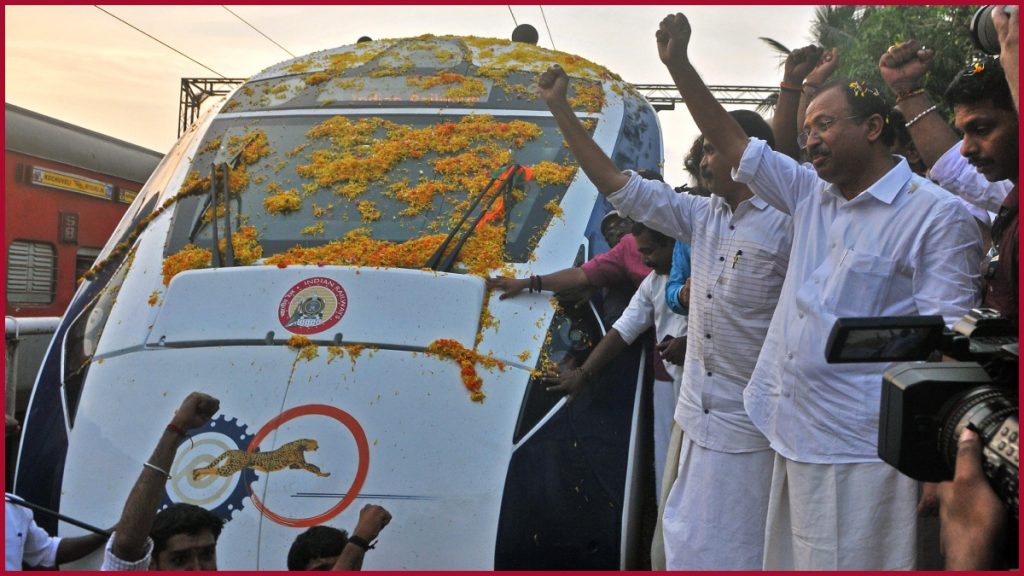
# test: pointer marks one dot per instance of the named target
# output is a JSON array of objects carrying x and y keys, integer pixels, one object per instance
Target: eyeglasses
[{"x": 819, "y": 127}]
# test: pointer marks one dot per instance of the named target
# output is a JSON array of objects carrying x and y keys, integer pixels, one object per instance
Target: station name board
[{"x": 71, "y": 183}]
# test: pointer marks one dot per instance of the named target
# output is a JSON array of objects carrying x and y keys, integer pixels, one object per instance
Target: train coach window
[
  {"x": 84, "y": 260},
  {"x": 31, "y": 273}
]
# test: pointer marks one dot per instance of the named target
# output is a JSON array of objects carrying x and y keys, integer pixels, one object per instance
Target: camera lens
[
  {"x": 983, "y": 32},
  {"x": 991, "y": 411}
]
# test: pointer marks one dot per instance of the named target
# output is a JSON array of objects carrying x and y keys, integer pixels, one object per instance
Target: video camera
[{"x": 925, "y": 406}]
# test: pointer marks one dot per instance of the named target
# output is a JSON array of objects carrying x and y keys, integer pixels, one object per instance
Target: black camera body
[
  {"x": 983, "y": 32},
  {"x": 925, "y": 406}
]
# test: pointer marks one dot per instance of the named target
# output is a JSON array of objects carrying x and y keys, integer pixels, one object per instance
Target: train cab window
[
  {"x": 84, "y": 260},
  {"x": 31, "y": 273}
]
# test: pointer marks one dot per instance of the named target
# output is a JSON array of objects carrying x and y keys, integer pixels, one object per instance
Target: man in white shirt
[
  {"x": 715, "y": 513},
  {"x": 870, "y": 239}
]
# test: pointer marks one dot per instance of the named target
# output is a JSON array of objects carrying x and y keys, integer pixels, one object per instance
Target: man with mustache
[
  {"x": 982, "y": 167},
  {"x": 715, "y": 513},
  {"x": 870, "y": 239}
]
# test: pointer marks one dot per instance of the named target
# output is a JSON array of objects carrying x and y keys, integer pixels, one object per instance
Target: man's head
[
  {"x": 847, "y": 131},
  {"x": 715, "y": 170},
  {"x": 614, "y": 227},
  {"x": 185, "y": 538},
  {"x": 984, "y": 112},
  {"x": 655, "y": 248},
  {"x": 317, "y": 548}
]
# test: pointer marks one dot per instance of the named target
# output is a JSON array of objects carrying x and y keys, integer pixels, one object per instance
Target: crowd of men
[{"x": 844, "y": 206}]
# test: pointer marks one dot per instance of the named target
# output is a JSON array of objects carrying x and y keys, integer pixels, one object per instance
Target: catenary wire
[
  {"x": 258, "y": 31},
  {"x": 137, "y": 29}
]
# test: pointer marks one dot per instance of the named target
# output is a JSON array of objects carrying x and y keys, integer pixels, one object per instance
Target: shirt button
[
  {"x": 709, "y": 296},
  {"x": 709, "y": 373},
  {"x": 707, "y": 335},
  {"x": 789, "y": 355},
  {"x": 731, "y": 227},
  {"x": 706, "y": 411},
  {"x": 721, "y": 258},
  {"x": 816, "y": 281}
]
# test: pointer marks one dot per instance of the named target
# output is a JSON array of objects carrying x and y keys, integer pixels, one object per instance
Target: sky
[{"x": 82, "y": 66}]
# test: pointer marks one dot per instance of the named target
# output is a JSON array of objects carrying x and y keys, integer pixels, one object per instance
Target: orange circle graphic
[{"x": 364, "y": 461}]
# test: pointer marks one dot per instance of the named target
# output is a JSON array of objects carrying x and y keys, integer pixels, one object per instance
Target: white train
[{"x": 358, "y": 196}]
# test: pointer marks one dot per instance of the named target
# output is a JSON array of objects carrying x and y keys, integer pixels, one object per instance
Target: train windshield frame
[{"x": 396, "y": 203}]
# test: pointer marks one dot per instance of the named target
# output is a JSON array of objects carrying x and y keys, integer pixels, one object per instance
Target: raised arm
[
  {"x": 141, "y": 506},
  {"x": 827, "y": 65},
  {"x": 798, "y": 65},
  {"x": 714, "y": 122},
  {"x": 903, "y": 68},
  {"x": 553, "y": 87},
  {"x": 1007, "y": 26},
  {"x": 372, "y": 519}
]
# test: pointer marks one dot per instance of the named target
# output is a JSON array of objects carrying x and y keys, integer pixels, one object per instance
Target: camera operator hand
[{"x": 972, "y": 516}]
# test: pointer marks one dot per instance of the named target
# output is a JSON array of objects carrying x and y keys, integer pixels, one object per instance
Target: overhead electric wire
[
  {"x": 514, "y": 22},
  {"x": 258, "y": 31},
  {"x": 548, "y": 27},
  {"x": 137, "y": 29}
]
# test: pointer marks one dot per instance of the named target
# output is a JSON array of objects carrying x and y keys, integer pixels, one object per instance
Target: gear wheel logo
[{"x": 221, "y": 495}]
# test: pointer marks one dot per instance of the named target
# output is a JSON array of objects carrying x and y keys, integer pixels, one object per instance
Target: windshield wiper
[
  {"x": 508, "y": 179},
  {"x": 211, "y": 204}
]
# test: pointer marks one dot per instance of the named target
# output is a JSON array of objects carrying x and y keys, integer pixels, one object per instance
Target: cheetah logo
[{"x": 289, "y": 456}]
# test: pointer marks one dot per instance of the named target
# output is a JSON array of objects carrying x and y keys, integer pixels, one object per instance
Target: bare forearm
[
  {"x": 141, "y": 506},
  {"x": 71, "y": 549},
  {"x": 784, "y": 123},
  {"x": 711, "y": 118},
  {"x": 931, "y": 135},
  {"x": 605, "y": 175},
  {"x": 608, "y": 348},
  {"x": 351, "y": 558}
]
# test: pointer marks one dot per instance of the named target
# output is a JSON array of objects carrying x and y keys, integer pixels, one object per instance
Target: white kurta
[{"x": 901, "y": 247}]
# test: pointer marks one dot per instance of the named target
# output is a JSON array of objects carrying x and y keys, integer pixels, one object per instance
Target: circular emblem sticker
[{"x": 312, "y": 306}]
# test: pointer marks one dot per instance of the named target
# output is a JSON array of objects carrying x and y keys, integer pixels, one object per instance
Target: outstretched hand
[
  {"x": 553, "y": 85},
  {"x": 673, "y": 38},
  {"x": 195, "y": 411},
  {"x": 569, "y": 383},
  {"x": 904, "y": 65},
  {"x": 509, "y": 287},
  {"x": 800, "y": 62}
]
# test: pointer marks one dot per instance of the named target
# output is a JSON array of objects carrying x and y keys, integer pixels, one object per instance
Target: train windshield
[{"x": 373, "y": 189}]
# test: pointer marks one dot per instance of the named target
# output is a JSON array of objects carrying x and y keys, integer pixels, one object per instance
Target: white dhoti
[
  {"x": 715, "y": 515},
  {"x": 858, "y": 516}
]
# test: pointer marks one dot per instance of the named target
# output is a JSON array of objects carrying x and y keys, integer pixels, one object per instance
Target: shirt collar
[
  {"x": 755, "y": 201},
  {"x": 886, "y": 188}
]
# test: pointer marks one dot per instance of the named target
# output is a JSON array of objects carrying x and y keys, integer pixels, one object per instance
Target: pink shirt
[{"x": 620, "y": 264}]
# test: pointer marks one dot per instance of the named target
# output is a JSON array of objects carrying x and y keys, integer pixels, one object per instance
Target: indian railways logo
[{"x": 312, "y": 306}]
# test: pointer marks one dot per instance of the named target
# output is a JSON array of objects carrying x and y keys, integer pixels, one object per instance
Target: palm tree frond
[{"x": 776, "y": 45}]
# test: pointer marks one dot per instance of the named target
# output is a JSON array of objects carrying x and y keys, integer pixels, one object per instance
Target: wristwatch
[{"x": 362, "y": 543}]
